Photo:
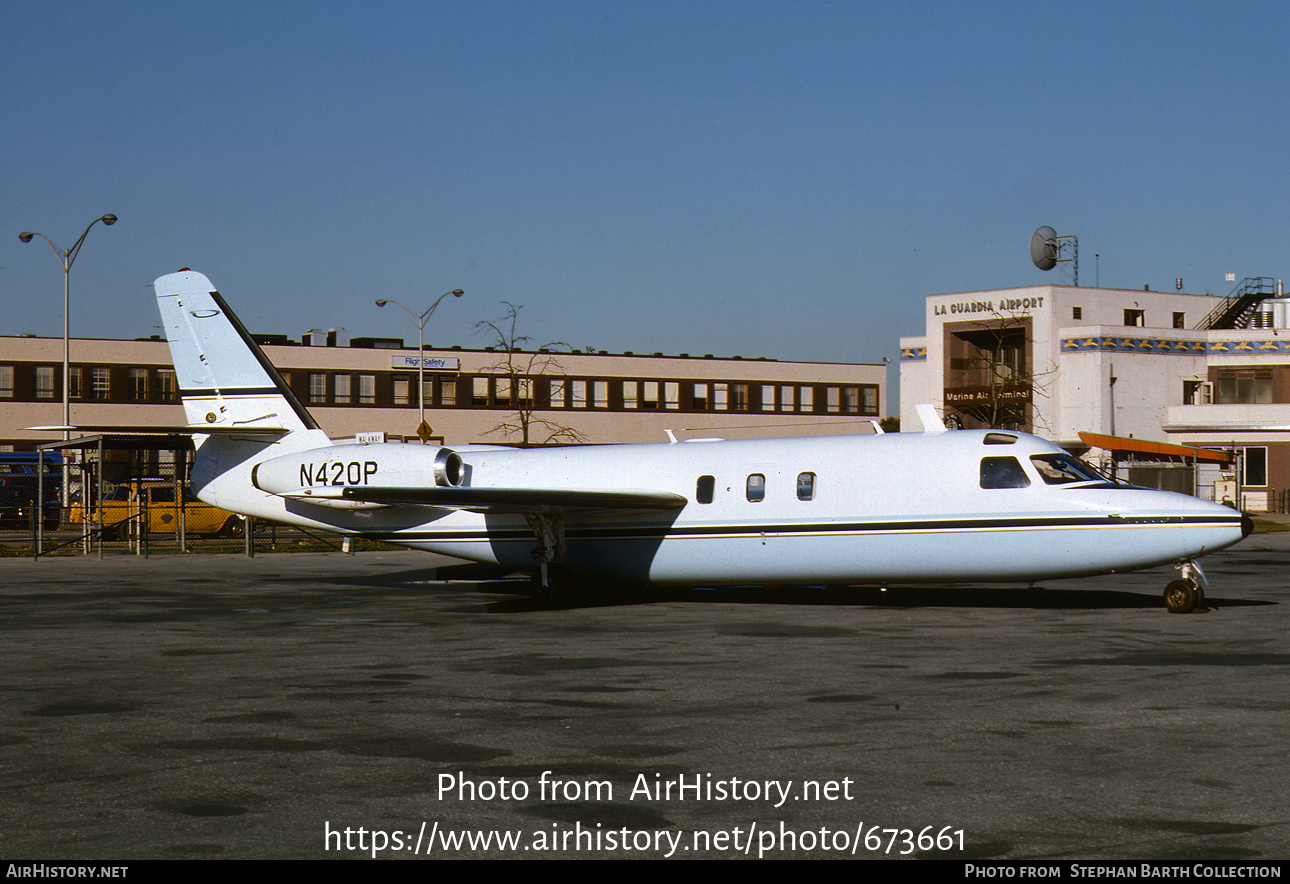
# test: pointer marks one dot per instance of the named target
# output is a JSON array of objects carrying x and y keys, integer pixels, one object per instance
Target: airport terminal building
[
  {"x": 369, "y": 386},
  {"x": 1192, "y": 370}
]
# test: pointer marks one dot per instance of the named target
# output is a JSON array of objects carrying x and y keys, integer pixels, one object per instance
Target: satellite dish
[{"x": 1043, "y": 248}]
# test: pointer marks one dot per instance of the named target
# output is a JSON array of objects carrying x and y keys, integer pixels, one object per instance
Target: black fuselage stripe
[{"x": 644, "y": 532}]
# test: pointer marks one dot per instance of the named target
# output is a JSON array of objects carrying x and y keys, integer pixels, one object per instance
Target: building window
[
  {"x": 340, "y": 389},
  {"x": 44, "y": 382},
  {"x": 163, "y": 390},
  {"x": 367, "y": 389},
  {"x": 832, "y": 398},
  {"x": 629, "y": 394},
  {"x": 600, "y": 390},
  {"x": 524, "y": 390},
  {"x": 1244, "y": 386},
  {"x": 870, "y": 399},
  {"x": 755, "y": 489},
  {"x": 479, "y": 391},
  {"x": 850, "y": 400},
  {"x": 806, "y": 486},
  {"x": 579, "y": 394},
  {"x": 6, "y": 381},
  {"x": 138, "y": 389},
  {"x": 767, "y": 397},
  {"x": 720, "y": 397},
  {"x": 400, "y": 389},
  {"x": 738, "y": 397},
  {"x": 502, "y": 391},
  {"x": 555, "y": 393},
  {"x": 75, "y": 385},
  {"x": 787, "y": 399},
  {"x": 1135, "y": 317},
  {"x": 1180, "y": 320},
  {"x": 101, "y": 383},
  {"x": 318, "y": 388},
  {"x": 700, "y": 397},
  {"x": 1195, "y": 393},
  {"x": 1255, "y": 463},
  {"x": 672, "y": 396},
  {"x": 808, "y": 399},
  {"x": 1077, "y": 313},
  {"x": 649, "y": 395}
]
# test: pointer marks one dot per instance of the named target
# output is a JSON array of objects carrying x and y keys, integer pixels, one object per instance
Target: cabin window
[
  {"x": 806, "y": 486},
  {"x": 756, "y": 487},
  {"x": 1002, "y": 472},
  {"x": 999, "y": 438},
  {"x": 703, "y": 489}
]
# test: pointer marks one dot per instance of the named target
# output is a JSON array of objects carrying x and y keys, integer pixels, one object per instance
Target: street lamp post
[
  {"x": 65, "y": 258},
  {"x": 420, "y": 319}
]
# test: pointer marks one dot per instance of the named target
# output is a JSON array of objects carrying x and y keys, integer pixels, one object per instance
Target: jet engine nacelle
[{"x": 321, "y": 475}]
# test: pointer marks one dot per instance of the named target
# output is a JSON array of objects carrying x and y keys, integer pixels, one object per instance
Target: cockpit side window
[
  {"x": 1003, "y": 472},
  {"x": 1063, "y": 469}
]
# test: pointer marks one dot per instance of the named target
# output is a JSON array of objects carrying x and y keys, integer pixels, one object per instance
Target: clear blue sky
[{"x": 782, "y": 179}]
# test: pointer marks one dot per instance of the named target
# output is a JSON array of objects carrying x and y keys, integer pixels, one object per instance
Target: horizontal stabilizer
[{"x": 518, "y": 499}]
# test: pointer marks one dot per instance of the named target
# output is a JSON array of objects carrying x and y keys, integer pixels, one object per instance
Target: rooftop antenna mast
[{"x": 1047, "y": 248}]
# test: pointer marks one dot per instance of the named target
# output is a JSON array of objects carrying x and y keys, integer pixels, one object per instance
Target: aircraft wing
[
  {"x": 154, "y": 429},
  {"x": 518, "y": 500}
]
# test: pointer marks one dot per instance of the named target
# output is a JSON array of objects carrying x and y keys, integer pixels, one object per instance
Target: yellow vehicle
[{"x": 153, "y": 502}]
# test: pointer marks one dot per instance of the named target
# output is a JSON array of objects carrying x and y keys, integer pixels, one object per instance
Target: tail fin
[{"x": 225, "y": 380}]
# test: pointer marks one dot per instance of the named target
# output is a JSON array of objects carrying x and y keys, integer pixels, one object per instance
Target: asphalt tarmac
[{"x": 213, "y": 706}]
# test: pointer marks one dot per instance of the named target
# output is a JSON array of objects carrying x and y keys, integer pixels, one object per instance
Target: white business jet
[{"x": 931, "y": 507}]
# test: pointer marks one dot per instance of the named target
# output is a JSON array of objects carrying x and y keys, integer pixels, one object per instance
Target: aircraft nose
[{"x": 1247, "y": 525}]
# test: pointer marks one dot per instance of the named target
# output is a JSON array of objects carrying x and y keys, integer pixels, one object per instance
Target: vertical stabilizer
[{"x": 225, "y": 380}]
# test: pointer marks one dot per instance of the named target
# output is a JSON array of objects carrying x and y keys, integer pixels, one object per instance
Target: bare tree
[
  {"x": 992, "y": 379},
  {"x": 520, "y": 377}
]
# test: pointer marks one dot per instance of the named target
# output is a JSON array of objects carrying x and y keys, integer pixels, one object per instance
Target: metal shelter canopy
[
  {"x": 1157, "y": 451},
  {"x": 125, "y": 442}
]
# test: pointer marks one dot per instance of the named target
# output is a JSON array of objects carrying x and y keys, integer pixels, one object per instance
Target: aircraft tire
[
  {"x": 233, "y": 527},
  {"x": 1182, "y": 597}
]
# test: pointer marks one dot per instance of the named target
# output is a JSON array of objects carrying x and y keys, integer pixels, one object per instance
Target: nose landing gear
[{"x": 1187, "y": 594}]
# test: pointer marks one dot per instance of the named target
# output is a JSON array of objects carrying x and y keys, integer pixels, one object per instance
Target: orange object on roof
[{"x": 1159, "y": 449}]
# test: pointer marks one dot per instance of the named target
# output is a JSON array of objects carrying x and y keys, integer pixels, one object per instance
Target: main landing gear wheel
[{"x": 1183, "y": 597}]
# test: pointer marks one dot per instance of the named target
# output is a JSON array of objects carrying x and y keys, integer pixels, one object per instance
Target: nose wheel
[{"x": 1185, "y": 595}]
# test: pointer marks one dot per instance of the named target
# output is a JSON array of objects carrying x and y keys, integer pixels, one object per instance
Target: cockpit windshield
[{"x": 1064, "y": 469}]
